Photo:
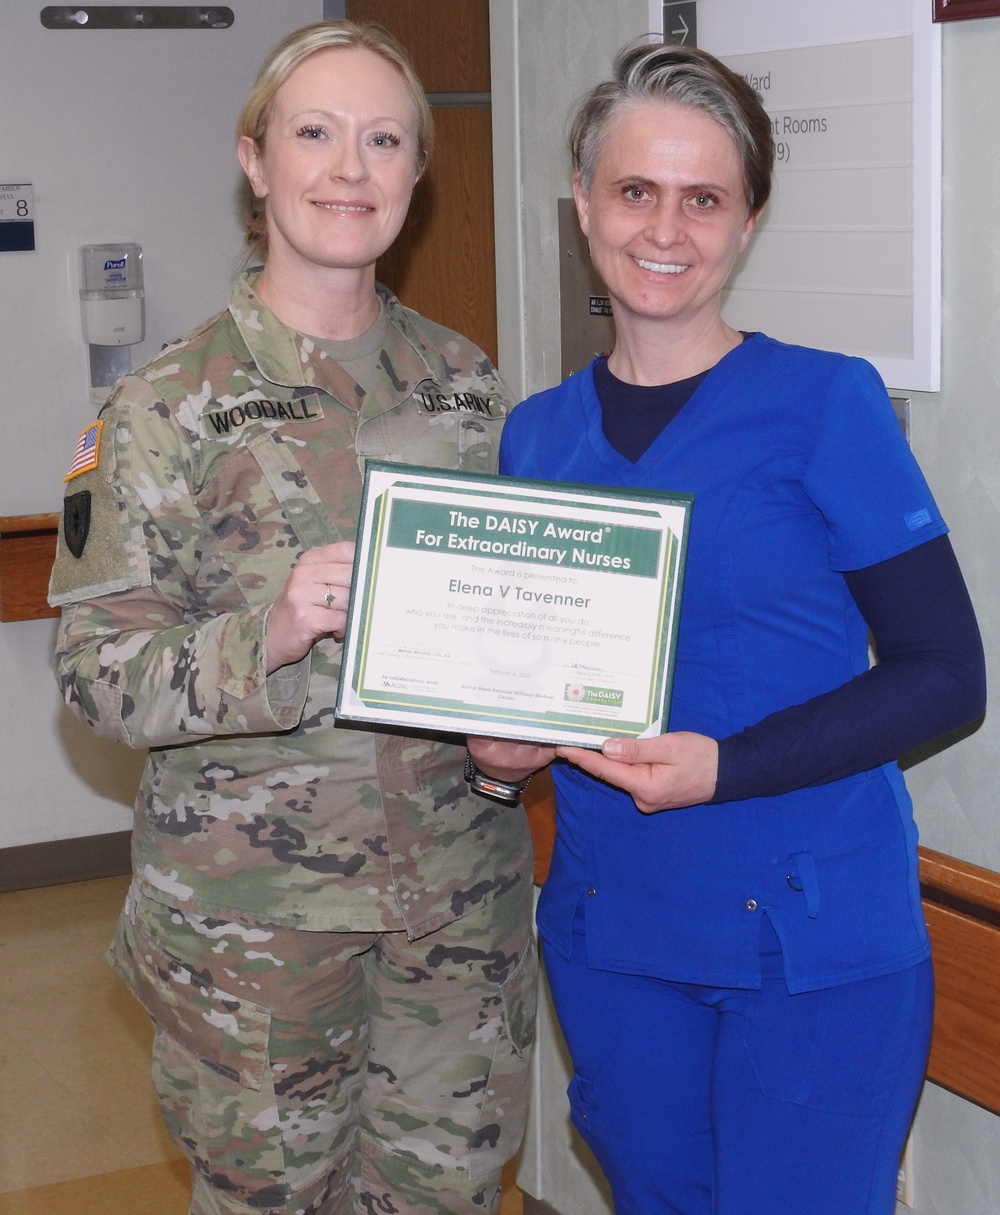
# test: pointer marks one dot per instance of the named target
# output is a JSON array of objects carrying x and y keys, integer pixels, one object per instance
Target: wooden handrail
[
  {"x": 27, "y": 550},
  {"x": 19, "y": 525},
  {"x": 962, "y": 909},
  {"x": 944, "y": 877}
]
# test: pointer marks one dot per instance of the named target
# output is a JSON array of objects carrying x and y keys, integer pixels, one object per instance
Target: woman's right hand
[{"x": 313, "y": 603}]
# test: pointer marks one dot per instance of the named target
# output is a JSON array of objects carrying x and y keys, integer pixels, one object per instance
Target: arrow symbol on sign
[{"x": 682, "y": 33}]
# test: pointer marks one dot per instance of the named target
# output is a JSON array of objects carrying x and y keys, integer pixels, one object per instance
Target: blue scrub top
[{"x": 799, "y": 471}]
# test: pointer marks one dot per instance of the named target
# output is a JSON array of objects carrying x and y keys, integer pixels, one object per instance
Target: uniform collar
[{"x": 284, "y": 356}]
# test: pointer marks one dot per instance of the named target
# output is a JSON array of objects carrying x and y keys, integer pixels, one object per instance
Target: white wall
[
  {"x": 956, "y": 433},
  {"x": 956, "y": 436},
  {"x": 124, "y": 135},
  {"x": 552, "y": 52}
]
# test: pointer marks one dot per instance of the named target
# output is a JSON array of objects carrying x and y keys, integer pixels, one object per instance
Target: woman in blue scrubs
[{"x": 732, "y": 923}]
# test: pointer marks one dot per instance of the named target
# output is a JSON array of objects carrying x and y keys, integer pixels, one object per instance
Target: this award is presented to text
[{"x": 513, "y": 608}]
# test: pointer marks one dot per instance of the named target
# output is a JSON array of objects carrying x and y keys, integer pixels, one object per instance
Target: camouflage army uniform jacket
[{"x": 237, "y": 448}]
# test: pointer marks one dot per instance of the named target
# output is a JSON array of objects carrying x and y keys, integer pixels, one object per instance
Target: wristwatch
[{"x": 504, "y": 791}]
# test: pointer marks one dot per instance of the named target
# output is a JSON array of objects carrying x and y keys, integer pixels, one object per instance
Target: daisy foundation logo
[{"x": 581, "y": 693}]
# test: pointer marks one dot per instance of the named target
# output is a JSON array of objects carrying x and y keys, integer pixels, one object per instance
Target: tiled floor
[{"x": 79, "y": 1129}]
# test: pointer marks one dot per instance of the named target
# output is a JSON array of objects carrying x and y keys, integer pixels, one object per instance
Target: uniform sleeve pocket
[{"x": 309, "y": 518}]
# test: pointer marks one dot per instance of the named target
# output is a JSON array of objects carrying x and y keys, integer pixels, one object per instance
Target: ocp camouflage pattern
[
  {"x": 315, "y": 1072},
  {"x": 235, "y": 450}
]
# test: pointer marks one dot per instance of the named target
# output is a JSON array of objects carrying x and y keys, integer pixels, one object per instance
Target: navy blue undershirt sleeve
[{"x": 930, "y": 679}]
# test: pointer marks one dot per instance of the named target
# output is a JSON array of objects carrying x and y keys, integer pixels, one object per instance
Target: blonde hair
[{"x": 279, "y": 65}]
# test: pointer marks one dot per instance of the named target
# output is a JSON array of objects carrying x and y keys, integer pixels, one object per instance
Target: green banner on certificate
[{"x": 513, "y": 608}]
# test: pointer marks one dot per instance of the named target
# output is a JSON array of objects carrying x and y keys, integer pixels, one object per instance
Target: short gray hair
[{"x": 667, "y": 71}]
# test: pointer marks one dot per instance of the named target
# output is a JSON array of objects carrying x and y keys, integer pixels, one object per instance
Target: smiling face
[
  {"x": 338, "y": 164},
  {"x": 666, "y": 214}
]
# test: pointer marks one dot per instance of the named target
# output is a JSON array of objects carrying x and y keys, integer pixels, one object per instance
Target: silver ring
[{"x": 329, "y": 598}]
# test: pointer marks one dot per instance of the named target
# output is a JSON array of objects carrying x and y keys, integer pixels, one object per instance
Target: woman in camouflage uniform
[{"x": 330, "y": 931}]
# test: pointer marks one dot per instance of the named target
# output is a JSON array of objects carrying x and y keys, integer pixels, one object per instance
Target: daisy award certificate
[{"x": 513, "y": 608}]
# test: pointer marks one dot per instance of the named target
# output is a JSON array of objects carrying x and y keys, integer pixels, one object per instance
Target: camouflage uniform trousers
[{"x": 327, "y": 1073}]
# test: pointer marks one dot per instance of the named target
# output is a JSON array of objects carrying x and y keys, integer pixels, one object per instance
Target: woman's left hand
[{"x": 661, "y": 773}]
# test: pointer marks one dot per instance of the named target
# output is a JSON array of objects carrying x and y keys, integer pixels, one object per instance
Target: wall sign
[
  {"x": 17, "y": 218},
  {"x": 848, "y": 253},
  {"x": 680, "y": 22}
]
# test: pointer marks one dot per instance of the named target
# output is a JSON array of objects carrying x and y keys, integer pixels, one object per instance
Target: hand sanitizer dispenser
[{"x": 112, "y": 311}]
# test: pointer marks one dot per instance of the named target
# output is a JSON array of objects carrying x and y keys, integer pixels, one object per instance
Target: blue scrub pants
[{"x": 726, "y": 1101}]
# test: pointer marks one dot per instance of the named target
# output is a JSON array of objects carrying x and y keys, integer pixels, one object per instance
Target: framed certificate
[{"x": 513, "y": 608}]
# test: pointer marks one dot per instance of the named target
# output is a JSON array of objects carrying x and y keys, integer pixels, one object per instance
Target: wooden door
[{"x": 442, "y": 263}]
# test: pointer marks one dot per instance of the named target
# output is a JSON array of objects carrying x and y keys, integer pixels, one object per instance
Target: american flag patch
[{"x": 88, "y": 450}]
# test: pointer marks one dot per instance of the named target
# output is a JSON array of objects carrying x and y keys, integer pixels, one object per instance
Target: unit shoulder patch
[{"x": 76, "y": 521}]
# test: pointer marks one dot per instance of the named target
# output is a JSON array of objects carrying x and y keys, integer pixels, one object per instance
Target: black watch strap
[{"x": 507, "y": 792}]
